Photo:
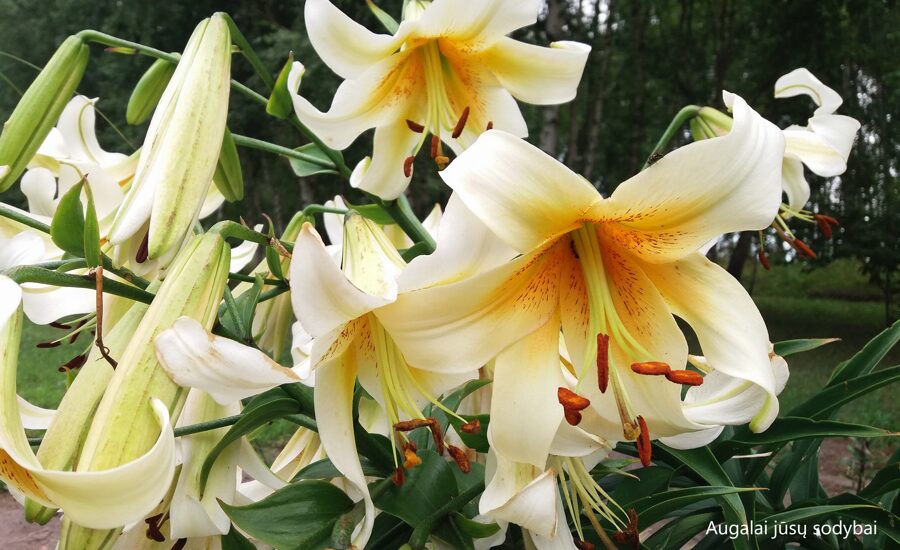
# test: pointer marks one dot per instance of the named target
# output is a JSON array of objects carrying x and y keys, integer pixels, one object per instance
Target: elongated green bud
[
  {"x": 182, "y": 145},
  {"x": 710, "y": 123},
  {"x": 229, "y": 178},
  {"x": 40, "y": 108},
  {"x": 59, "y": 448},
  {"x": 124, "y": 427},
  {"x": 148, "y": 90}
]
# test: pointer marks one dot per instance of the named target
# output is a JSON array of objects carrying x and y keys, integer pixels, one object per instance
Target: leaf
[
  {"x": 426, "y": 488},
  {"x": 886, "y": 480},
  {"x": 454, "y": 399},
  {"x": 390, "y": 24},
  {"x": 868, "y": 512},
  {"x": 475, "y": 529},
  {"x": 790, "y": 347},
  {"x": 300, "y": 516},
  {"x": 273, "y": 258},
  {"x": 305, "y": 168},
  {"x": 680, "y": 531},
  {"x": 234, "y": 540},
  {"x": 239, "y": 320},
  {"x": 797, "y": 515},
  {"x": 280, "y": 103},
  {"x": 91, "y": 242},
  {"x": 478, "y": 441},
  {"x": 373, "y": 212},
  {"x": 788, "y": 429},
  {"x": 830, "y": 399},
  {"x": 867, "y": 358},
  {"x": 324, "y": 469},
  {"x": 67, "y": 226},
  {"x": 228, "y": 177},
  {"x": 647, "y": 481},
  {"x": 657, "y": 506}
]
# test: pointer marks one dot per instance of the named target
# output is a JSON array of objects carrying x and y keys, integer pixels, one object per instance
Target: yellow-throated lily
[
  {"x": 449, "y": 71},
  {"x": 609, "y": 272}
]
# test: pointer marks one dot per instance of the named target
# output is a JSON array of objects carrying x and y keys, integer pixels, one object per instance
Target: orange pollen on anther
[
  {"x": 573, "y": 417},
  {"x": 603, "y": 362},
  {"x": 490, "y": 125},
  {"x": 409, "y": 425},
  {"x": 415, "y": 126},
  {"x": 471, "y": 427},
  {"x": 441, "y": 161},
  {"x": 571, "y": 400},
  {"x": 459, "y": 456},
  {"x": 803, "y": 249},
  {"x": 653, "y": 368},
  {"x": 685, "y": 377},
  {"x": 764, "y": 259},
  {"x": 407, "y": 166},
  {"x": 643, "y": 442},
  {"x": 461, "y": 124},
  {"x": 435, "y": 146},
  {"x": 411, "y": 459}
]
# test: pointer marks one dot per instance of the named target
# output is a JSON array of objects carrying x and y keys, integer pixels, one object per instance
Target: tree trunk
[
  {"x": 549, "y": 138},
  {"x": 740, "y": 254}
]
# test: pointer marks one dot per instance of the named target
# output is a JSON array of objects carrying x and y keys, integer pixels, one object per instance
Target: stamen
[
  {"x": 603, "y": 361},
  {"x": 763, "y": 259},
  {"x": 435, "y": 146},
  {"x": 74, "y": 363},
  {"x": 583, "y": 545},
  {"x": 408, "y": 165},
  {"x": 409, "y": 425},
  {"x": 573, "y": 417},
  {"x": 459, "y": 456},
  {"x": 46, "y": 345},
  {"x": 472, "y": 427},
  {"x": 643, "y": 442},
  {"x": 60, "y": 326},
  {"x": 458, "y": 130},
  {"x": 685, "y": 377},
  {"x": 571, "y": 400},
  {"x": 630, "y": 534},
  {"x": 490, "y": 125},
  {"x": 825, "y": 222},
  {"x": 441, "y": 161},
  {"x": 415, "y": 126},
  {"x": 143, "y": 250},
  {"x": 154, "y": 523},
  {"x": 397, "y": 477},
  {"x": 437, "y": 436},
  {"x": 409, "y": 454},
  {"x": 652, "y": 368}
]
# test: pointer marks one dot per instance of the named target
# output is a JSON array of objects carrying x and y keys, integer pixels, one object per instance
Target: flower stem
[
  {"x": 31, "y": 274},
  {"x": 109, "y": 40},
  {"x": 401, "y": 212},
  {"x": 251, "y": 143},
  {"x": 206, "y": 426},
  {"x": 420, "y": 533},
  {"x": 685, "y": 114},
  {"x": 247, "y": 50}
]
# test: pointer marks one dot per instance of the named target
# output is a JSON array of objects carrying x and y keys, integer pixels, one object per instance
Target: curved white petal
[
  {"x": 213, "y": 200},
  {"x": 227, "y": 370},
  {"x": 34, "y": 417},
  {"x": 39, "y": 187},
  {"x": 77, "y": 126},
  {"x": 25, "y": 248},
  {"x": 384, "y": 175},
  {"x": 481, "y": 22},
  {"x": 520, "y": 494},
  {"x": 243, "y": 254},
  {"x": 562, "y": 540},
  {"x": 701, "y": 190},
  {"x": 838, "y": 130},
  {"x": 334, "y": 223},
  {"x": 347, "y": 47},
  {"x": 535, "y": 74},
  {"x": 465, "y": 247},
  {"x": 814, "y": 151},
  {"x": 45, "y": 304},
  {"x": 522, "y": 194},
  {"x": 794, "y": 183},
  {"x": 802, "y": 82}
]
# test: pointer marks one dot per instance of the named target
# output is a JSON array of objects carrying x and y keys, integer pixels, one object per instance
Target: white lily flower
[
  {"x": 102, "y": 499},
  {"x": 449, "y": 70},
  {"x": 823, "y": 145},
  {"x": 611, "y": 273}
]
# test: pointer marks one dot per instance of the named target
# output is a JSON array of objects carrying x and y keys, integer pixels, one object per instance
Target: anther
[
  {"x": 154, "y": 524},
  {"x": 459, "y": 456},
  {"x": 685, "y": 377},
  {"x": 652, "y": 368},
  {"x": 74, "y": 363},
  {"x": 60, "y": 326},
  {"x": 143, "y": 250},
  {"x": 415, "y": 126},
  {"x": 435, "y": 146},
  {"x": 573, "y": 417},
  {"x": 458, "y": 129},
  {"x": 571, "y": 400},
  {"x": 408, "y": 166},
  {"x": 764, "y": 259},
  {"x": 472, "y": 427},
  {"x": 409, "y": 425},
  {"x": 643, "y": 442},
  {"x": 583, "y": 545},
  {"x": 603, "y": 362},
  {"x": 825, "y": 222},
  {"x": 490, "y": 125},
  {"x": 437, "y": 436},
  {"x": 441, "y": 161},
  {"x": 397, "y": 477},
  {"x": 803, "y": 249},
  {"x": 411, "y": 459},
  {"x": 45, "y": 345}
]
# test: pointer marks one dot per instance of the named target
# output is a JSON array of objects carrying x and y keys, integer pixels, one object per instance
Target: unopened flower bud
[
  {"x": 710, "y": 123},
  {"x": 148, "y": 91}
]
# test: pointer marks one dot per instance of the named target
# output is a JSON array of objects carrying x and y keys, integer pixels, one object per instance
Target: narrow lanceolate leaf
[
  {"x": 67, "y": 227},
  {"x": 832, "y": 398},
  {"x": 228, "y": 177},
  {"x": 867, "y": 358},
  {"x": 790, "y": 347},
  {"x": 300, "y": 516},
  {"x": 280, "y": 103},
  {"x": 40, "y": 108},
  {"x": 91, "y": 230},
  {"x": 655, "y": 507},
  {"x": 790, "y": 429},
  {"x": 148, "y": 90},
  {"x": 390, "y": 24}
]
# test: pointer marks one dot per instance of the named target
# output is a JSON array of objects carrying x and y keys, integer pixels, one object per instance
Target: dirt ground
[{"x": 17, "y": 534}]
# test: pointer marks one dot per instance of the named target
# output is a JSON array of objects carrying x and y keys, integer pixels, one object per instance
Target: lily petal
[
  {"x": 838, "y": 130},
  {"x": 480, "y": 23},
  {"x": 39, "y": 187},
  {"x": 44, "y": 303},
  {"x": 34, "y": 417},
  {"x": 384, "y": 175},
  {"x": 794, "y": 183},
  {"x": 77, "y": 125},
  {"x": 535, "y": 74},
  {"x": 520, "y": 494},
  {"x": 802, "y": 82},
  {"x": 814, "y": 151}
]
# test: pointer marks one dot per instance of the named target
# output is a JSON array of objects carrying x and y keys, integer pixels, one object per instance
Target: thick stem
[
  {"x": 685, "y": 114},
  {"x": 31, "y": 274},
  {"x": 206, "y": 426},
  {"x": 251, "y": 143},
  {"x": 401, "y": 212}
]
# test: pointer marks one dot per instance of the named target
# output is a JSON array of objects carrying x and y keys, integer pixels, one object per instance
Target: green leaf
[
  {"x": 273, "y": 258},
  {"x": 788, "y": 429},
  {"x": 234, "y": 540},
  {"x": 324, "y": 469},
  {"x": 798, "y": 515},
  {"x": 830, "y": 399},
  {"x": 300, "y": 516},
  {"x": 373, "y": 212},
  {"x": 475, "y": 529},
  {"x": 67, "y": 226},
  {"x": 236, "y": 314},
  {"x": 871, "y": 513},
  {"x": 790, "y": 347},
  {"x": 390, "y": 24},
  {"x": 657, "y": 506},
  {"x": 454, "y": 399},
  {"x": 91, "y": 243},
  {"x": 228, "y": 177},
  {"x": 280, "y": 103},
  {"x": 886, "y": 480},
  {"x": 305, "y": 168},
  {"x": 426, "y": 488},
  {"x": 478, "y": 441},
  {"x": 680, "y": 531},
  {"x": 868, "y": 358},
  {"x": 647, "y": 481}
]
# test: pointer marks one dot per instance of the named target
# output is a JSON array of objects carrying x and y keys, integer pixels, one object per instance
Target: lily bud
[
  {"x": 710, "y": 123},
  {"x": 182, "y": 146},
  {"x": 123, "y": 426},
  {"x": 148, "y": 91},
  {"x": 40, "y": 107}
]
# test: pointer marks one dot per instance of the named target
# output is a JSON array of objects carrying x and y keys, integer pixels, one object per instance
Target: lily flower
[
  {"x": 611, "y": 273},
  {"x": 449, "y": 71}
]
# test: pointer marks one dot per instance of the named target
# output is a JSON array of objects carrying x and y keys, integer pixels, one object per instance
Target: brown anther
[
  {"x": 154, "y": 524},
  {"x": 411, "y": 459},
  {"x": 441, "y": 161},
  {"x": 571, "y": 400},
  {"x": 643, "y": 442},
  {"x": 583, "y": 545},
  {"x": 803, "y": 249},
  {"x": 472, "y": 427},
  {"x": 60, "y": 326},
  {"x": 408, "y": 166},
  {"x": 764, "y": 259},
  {"x": 435, "y": 146},
  {"x": 459, "y": 456},
  {"x": 490, "y": 125},
  {"x": 685, "y": 377},
  {"x": 74, "y": 363},
  {"x": 415, "y": 126},
  {"x": 409, "y": 425},
  {"x": 438, "y": 437},
  {"x": 398, "y": 476},
  {"x": 143, "y": 250},
  {"x": 573, "y": 417},
  {"x": 179, "y": 544},
  {"x": 45, "y": 345},
  {"x": 603, "y": 362},
  {"x": 461, "y": 124},
  {"x": 652, "y": 368},
  {"x": 825, "y": 222}
]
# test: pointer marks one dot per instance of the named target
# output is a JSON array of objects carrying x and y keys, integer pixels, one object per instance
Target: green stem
[
  {"x": 303, "y": 421},
  {"x": 109, "y": 40},
  {"x": 272, "y": 293},
  {"x": 301, "y": 394},
  {"x": 31, "y": 274},
  {"x": 420, "y": 533},
  {"x": 260, "y": 145},
  {"x": 250, "y": 279},
  {"x": 319, "y": 209},
  {"x": 206, "y": 426},
  {"x": 23, "y": 218},
  {"x": 233, "y": 230},
  {"x": 401, "y": 212},
  {"x": 247, "y": 50},
  {"x": 684, "y": 115}
]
